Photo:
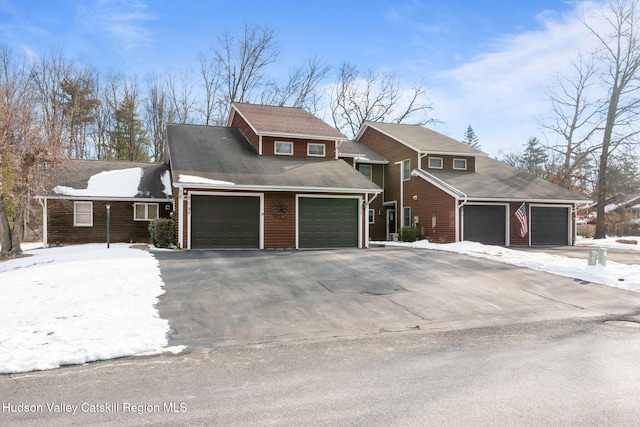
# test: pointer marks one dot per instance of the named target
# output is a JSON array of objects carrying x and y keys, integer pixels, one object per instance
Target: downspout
[{"x": 181, "y": 218}]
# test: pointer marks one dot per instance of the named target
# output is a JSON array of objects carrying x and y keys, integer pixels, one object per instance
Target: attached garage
[
  {"x": 550, "y": 225},
  {"x": 221, "y": 221},
  {"x": 485, "y": 224},
  {"x": 328, "y": 222}
]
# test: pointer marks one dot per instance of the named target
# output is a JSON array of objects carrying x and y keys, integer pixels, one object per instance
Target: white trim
[
  {"x": 435, "y": 158},
  {"x": 146, "y": 211},
  {"x": 181, "y": 216},
  {"x": 371, "y": 216},
  {"x": 75, "y": 209},
  {"x": 460, "y": 160},
  {"x": 402, "y": 175},
  {"x": 109, "y": 199},
  {"x": 273, "y": 188},
  {"x": 230, "y": 194},
  {"x": 329, "y": 196},
  {"x": 324, "y": 149},
  {"x": 275, "y": 148}
]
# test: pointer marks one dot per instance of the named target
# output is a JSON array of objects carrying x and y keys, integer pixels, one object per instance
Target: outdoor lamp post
[{"x": 108, "y": 224}]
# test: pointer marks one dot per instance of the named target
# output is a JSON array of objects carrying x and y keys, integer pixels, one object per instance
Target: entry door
[{"x": 391, "y": 222}]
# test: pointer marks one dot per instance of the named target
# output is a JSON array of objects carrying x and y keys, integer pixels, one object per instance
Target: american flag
[{"x": 521, "y": 214}]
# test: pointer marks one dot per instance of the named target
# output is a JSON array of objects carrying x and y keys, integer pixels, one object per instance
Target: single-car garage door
[
  {"x": 485, "y": 224},
  {"x": 219, "y": 222},
  {"x": 327, "y": 222},
  {"x": 549, "y": 225}
]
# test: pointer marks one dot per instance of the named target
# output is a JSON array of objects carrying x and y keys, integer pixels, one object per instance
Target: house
[
  {"x": 270, "y": 179},
  {"x": 75, "y": 210},
  {"x": 453, "y": 192}
]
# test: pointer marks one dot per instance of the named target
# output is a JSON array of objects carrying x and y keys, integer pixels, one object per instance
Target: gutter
[{"x": 343, "y": 190}]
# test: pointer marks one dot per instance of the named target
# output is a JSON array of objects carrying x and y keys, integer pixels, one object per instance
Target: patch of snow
[
  {"x": 166, "y": 183},
  {"x": 614, "y": 274},
  {"x": 191, "y": 179},
  {"x": 116, "y": 183},
  {"x": 610, "y": 242},
  {"x": 53, "y": 313}
]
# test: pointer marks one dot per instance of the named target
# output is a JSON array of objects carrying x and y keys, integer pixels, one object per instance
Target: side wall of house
[
  {"x": 238, "y": 122},
  {"x": 428, "y": 201},
  {"x": 299, "y": 146},
  {"x": 123, "y": 228}
]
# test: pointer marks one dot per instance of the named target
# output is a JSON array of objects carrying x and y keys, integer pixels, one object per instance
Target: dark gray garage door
[
  {"x": 549, "y": 226},
  {"x": 225, "y": 222},
  {"x": 327, "y": 223},
  {"x": 485, "y": 224}
]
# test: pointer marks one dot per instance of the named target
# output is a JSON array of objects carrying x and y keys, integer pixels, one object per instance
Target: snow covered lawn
[
  {"x": 614, "y": 274},
  {"x": 76, "y": 304}
]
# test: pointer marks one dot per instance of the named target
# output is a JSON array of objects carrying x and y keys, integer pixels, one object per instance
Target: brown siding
[
  {"x": 280, "y": 232},
  {"x": 252, "y": 137},
  {"x": 430, "y": 201},
  {"x": 123, "y": 228},
  {"x": 393, "y": 151},
  {"x": 377, "y": 230},
  {"x": 299, "y": 146}
]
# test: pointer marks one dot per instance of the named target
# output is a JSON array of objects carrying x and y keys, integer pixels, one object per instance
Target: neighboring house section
[
  {"x": 75, "y": 210},
  {"x": 270, "y": 180},
  {"x": 454, "y": 192}
]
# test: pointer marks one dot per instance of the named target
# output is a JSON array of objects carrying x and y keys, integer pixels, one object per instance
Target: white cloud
[{"x": 501, "y": 93}]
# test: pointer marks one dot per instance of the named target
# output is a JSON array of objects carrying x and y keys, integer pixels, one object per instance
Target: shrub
[
  {"x": 410, "y": 234},
  {"x": 163, "y": 232}
]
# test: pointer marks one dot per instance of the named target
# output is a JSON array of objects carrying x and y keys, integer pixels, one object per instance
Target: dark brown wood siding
[
  {"x": 238, "y": 122},
  {"x": 123, "y": 228},
  {"x": 299, "y": 146},
  {"x": 279, "y": 232},
  {"x": 429, "y": 200}
]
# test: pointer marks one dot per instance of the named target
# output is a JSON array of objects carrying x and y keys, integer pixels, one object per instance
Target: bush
[
  {"x": 410, "y": 234},
  {"x": 163, "y": 232}
]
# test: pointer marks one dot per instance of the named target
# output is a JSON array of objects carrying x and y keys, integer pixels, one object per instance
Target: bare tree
[
  {"x": 181, "y": 95},
  {"x": 301, "y": 88},
  {"x": 32, "y": 130},
  {"x": 619, "y": 56},
  {"x": 210, "y": 72},
  {"x": 361, "y": 96},
  {"x": 576, "y": 120},
  {"x": 243, "y": 61},
  {"x": 157, "y": 114}
]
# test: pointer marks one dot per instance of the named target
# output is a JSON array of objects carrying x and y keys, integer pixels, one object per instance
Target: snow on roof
[
  {"x": 115, "y": 183},
  {"x": 166, "y": 183},
  {"x": 191, "y": 179}
]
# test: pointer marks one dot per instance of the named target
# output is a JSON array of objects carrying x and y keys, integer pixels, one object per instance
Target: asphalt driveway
[{"x": 219, "y": 298}]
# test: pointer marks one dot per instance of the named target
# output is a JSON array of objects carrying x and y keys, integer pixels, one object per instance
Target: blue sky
[{"x": 485, "y": 63}]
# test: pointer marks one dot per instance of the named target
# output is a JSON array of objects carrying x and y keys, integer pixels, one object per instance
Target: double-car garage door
[
  {"x": 234, "y": 222},
  {"x": 549, "y": 225}
]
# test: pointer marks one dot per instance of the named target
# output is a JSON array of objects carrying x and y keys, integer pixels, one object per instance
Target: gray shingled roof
[
  {"x": 75, "y": 174},
  {"x": 360, "y": 152},
  {"x": 423, "y": 139},
  {"x": 224, "y": 154},
  {"x": 267, "y": 119},
  {"x": 497, "y": 180}
]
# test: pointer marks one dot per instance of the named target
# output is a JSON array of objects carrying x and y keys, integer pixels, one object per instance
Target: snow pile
[
  {"x": 191, "y": 179},
  {"x": 76, "y": 304},
  {"x": 116, "y": 183},
  {"x": 614, "y": 274}
]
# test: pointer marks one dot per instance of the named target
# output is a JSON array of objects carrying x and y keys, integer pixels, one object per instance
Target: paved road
[
  {"x": 577, "y": 372},
  {"x": 217, "y": 298}
]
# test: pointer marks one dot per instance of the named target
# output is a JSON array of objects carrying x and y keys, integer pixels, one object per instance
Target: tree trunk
[
  {"x": 16, "y": 233},
  {"x": 5, "y": 231}
]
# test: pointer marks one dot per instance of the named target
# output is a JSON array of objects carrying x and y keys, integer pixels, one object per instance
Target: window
[
  {"x": 145, "y": 211},
  {"x": 83, "y": 214},
  {"x": 372, "y": 216},
  {"x": 315, "y": 150},
  {"x": 285, "y": 148},
  {"x": 406, "y": 217},
  {"x": 435, "y": 162},
  {"x": 406, "y": 170},
  {"x": 366, "y": 170},
  {"x": 460, "y": 164}
]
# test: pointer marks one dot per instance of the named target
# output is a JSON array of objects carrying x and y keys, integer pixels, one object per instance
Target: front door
[{"x": 391, "y": 223}]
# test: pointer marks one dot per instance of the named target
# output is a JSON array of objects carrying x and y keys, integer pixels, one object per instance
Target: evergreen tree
[
  {"x": 534, "y": 158},
  {"x": 471, "y": 139},
  {"x": 128, "y": 139}
]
